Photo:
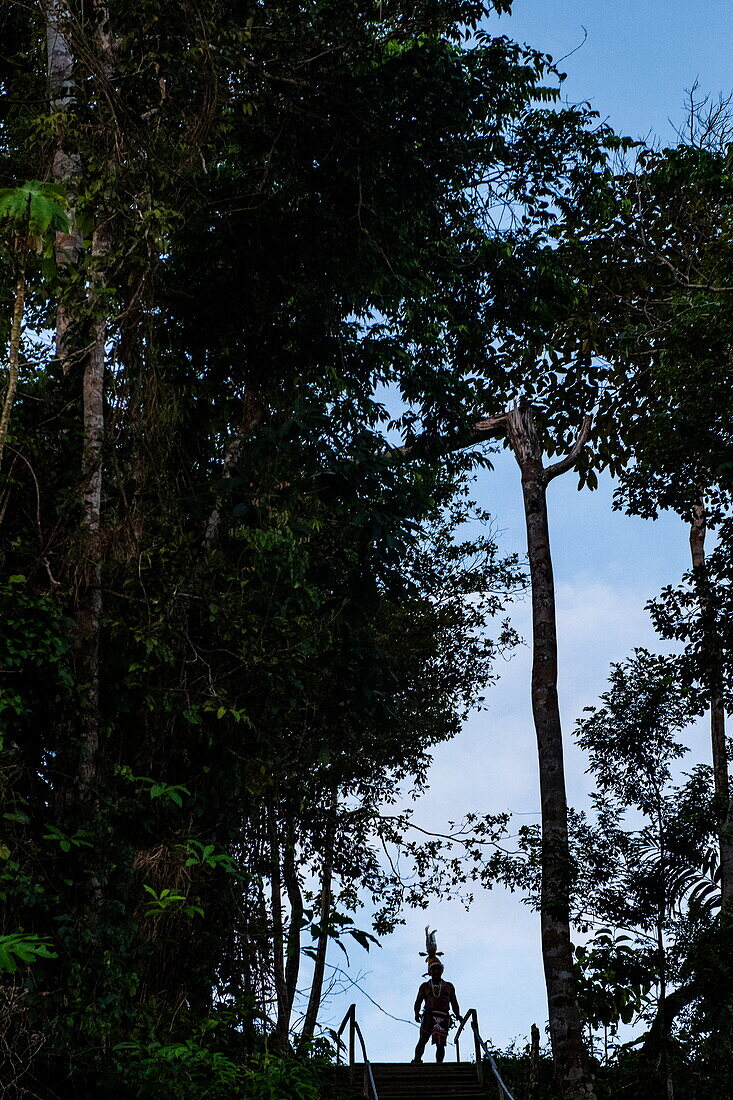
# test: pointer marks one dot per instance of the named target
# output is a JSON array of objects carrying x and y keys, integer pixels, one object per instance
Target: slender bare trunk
[
  {"x": 534, "y": 1063},
  {"x": 662, "y": 1014},
  {"x": 76, "y": 344},
  {"x": 14, "y": 349},
  {"x": 557, "y": 952},
  {"x": 66, "y": 170},
  {"x": 324, "y": 918},
  {"x": 66, "y": 164},
  {"x": 295, "y": 901},
  {"x": 89, "y": 607},
  {"x": 723, "y": 801},
  {"x": 60, "y": 62},
  {"x": 282, "y": 1025},
  {"x": 263, "y": 939}
]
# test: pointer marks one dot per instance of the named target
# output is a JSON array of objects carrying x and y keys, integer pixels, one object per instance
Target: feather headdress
[{"x": 431, "y": 952}]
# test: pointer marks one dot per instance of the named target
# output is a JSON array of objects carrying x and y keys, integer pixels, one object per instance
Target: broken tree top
[{"x": 431, "y": 950}]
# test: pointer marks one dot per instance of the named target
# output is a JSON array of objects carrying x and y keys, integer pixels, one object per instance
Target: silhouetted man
[{"x": 439, "y": 997}]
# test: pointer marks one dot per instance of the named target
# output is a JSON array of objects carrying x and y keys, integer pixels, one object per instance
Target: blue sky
[
  {"x": 637, "y": 61},
  {"x": 639, "y": 56}
]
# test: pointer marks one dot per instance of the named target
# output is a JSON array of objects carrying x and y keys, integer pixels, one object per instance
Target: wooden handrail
[
  {"x": 480, "y": 1047},
  {"x": 370, "y": 1089},
  {"x": 476, "y": 1037}
]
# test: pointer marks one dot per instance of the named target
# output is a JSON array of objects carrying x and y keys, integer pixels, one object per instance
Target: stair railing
[
  {"x": 370, "y": 1089},
  {"x": 472, "y": 1016},
  {"x": 480, "y": 1049}
]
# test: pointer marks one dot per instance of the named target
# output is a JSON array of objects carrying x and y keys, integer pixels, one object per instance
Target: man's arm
[
  {"x": 418, "y": 1001},
  {"x": 453, "y": 1000}
]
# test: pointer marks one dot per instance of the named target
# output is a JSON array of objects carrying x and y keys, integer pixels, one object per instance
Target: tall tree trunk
[
  {"x": 665, "y": 1024},
  {"x": 76, "y": 344},
  {"x": 557, "y": 954},
  {"x": 14, "y": 349},
  {"x": 89, "y": 606},
  {"x": 324, "y": 917},
  {"x": 518, "y": 426},
  {"x": 262, "y": 940},
  {"x": 66, "y": 164},
  {"x": 295, "y": 900},
  {"x": 723, "y": 801},
  {"x": 66, "y": 171},
  {"x": 282, "y": 1023}
]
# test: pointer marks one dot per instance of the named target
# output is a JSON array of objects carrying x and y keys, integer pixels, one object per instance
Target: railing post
[
  {"x": 477, "y": 1048},
  {"x": 352, "y": 1022},
  {"x": 369, "y": 1087},
  {"x": 534, "y": 1063}
]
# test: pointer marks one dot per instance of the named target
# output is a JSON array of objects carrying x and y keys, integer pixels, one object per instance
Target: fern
[
  {"x": 695, "y": 887},
  {"x": 699, "y": 886}
]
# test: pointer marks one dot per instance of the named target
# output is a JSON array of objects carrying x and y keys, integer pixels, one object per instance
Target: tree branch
[
  {"x": 569, "y": 461},
  {"x": 492, "y": 427},
  {"x": 674, "y": 1003}
]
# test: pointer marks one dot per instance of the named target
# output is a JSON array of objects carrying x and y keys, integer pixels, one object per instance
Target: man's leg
[
  {"x": 440, "y": 1053},
  {"x": 425, "y": 1033},
  {"x": 420, "y": 1048}
]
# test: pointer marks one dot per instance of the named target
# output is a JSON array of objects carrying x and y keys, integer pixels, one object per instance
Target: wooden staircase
[
  {"x": 423, "y": 1081},
  {"x": 428, "y": 1081}
]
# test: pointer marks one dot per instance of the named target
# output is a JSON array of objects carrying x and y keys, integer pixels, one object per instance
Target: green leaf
[
  {"x": 363, "y": 938},
  {"x": 18, "y": 948},
  {"x": 34, "y": 208}
]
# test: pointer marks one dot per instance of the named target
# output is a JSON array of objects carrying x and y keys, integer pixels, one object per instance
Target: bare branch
[
  {"x": 493, "y": 427},
  {"x": 568, "y": 462}
]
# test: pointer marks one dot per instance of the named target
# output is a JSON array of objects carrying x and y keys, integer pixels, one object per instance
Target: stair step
[
  {"x": 425, "y": 1081},
  {"x": 392, "y": 1069}
]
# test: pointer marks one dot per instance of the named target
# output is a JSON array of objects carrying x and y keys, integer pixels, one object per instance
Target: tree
[
  {"x": 556, "y": 873},
  {"x": 631, "y": 744},
  {"x": 533, "y": 358},
  {"x": 695, "y": 613},
  {"x": 226, "y": 565},
  {"x": 556, "y": 868},
  {"x": 659, "y": 253},
  {"x": 648, "y": 876}
]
